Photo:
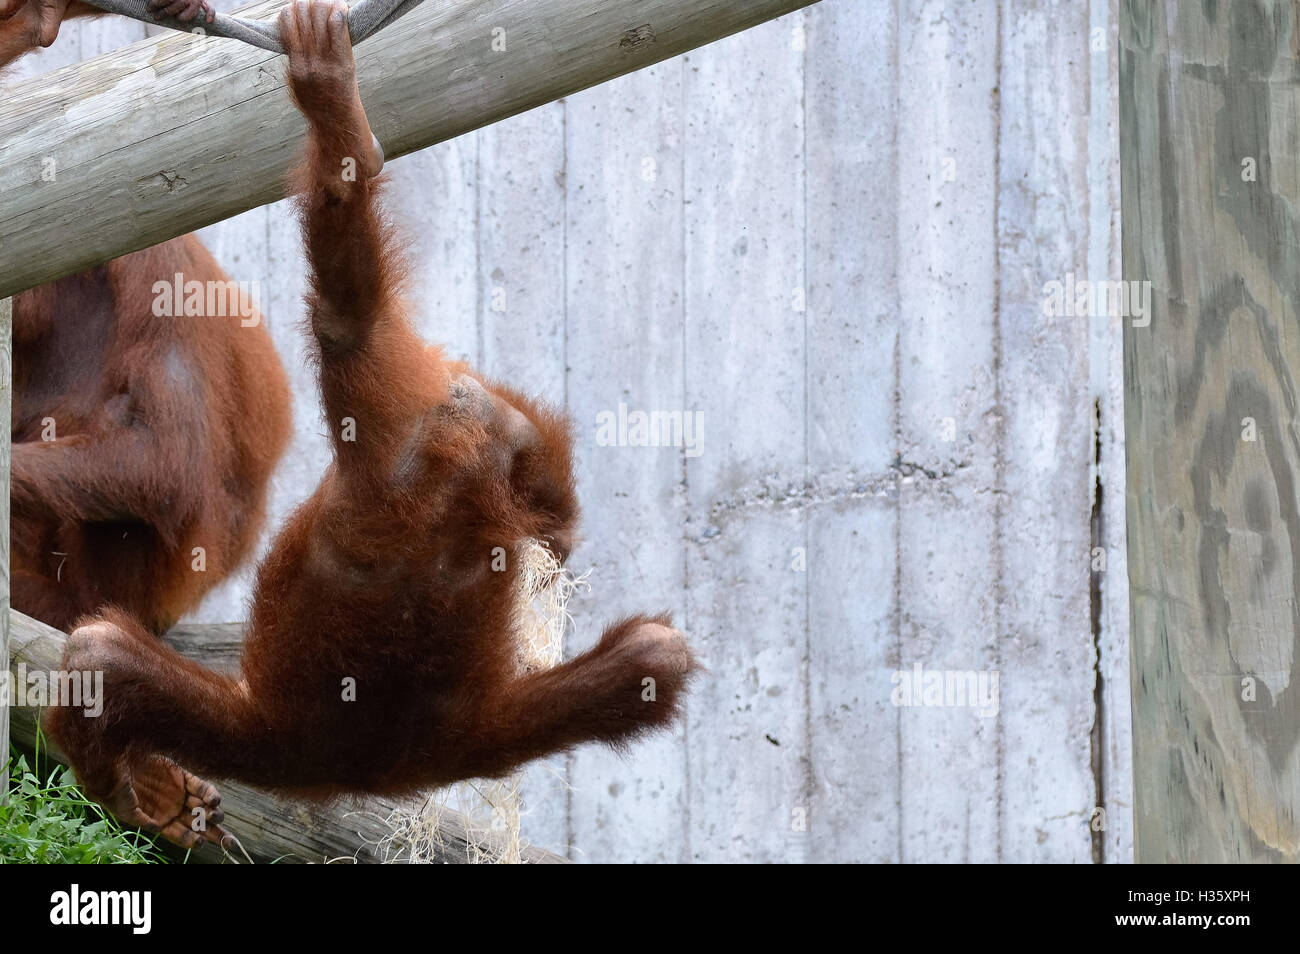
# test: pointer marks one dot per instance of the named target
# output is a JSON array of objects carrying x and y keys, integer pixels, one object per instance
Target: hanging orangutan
[{"x": 381, "y": 653}]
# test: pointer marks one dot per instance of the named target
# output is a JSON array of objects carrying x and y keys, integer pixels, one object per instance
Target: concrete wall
[{"x": 829, "y": 239}]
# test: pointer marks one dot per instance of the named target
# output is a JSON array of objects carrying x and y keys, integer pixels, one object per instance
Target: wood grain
[
  {"x": 1208, "y": 93},
  {"x": 171, "y": 134}
]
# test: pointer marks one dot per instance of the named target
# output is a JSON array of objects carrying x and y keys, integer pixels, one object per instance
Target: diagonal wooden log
[
  {"x": 270, "y": 828},
  {"x": 174, "y": 133}
]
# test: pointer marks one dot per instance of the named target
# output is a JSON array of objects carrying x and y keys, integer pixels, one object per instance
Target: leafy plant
[{"x": 52, "y": 822}]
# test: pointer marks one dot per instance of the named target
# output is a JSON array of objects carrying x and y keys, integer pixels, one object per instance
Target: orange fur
[
  {"x": 384, "y": 579},
  {"x": 27, "y": 25},
  {"x": 167, "y": 430}
]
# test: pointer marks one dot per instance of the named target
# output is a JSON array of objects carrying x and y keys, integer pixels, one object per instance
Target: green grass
[{"x": 48, "y": 821}]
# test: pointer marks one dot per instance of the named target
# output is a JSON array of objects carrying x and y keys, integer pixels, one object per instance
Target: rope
[{"x": 365, "y": 19}]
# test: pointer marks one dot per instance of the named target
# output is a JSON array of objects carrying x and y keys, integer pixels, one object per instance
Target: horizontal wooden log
[
  {"x": 269, "y": 828},
  {"x": 174, "y": 133}
]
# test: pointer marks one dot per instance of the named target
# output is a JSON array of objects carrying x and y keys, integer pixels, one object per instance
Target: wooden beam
[
  {"x": 269, "y": 828},
  {"x": 177, "y": 132},
  {"x": 1210, "y": 108}
]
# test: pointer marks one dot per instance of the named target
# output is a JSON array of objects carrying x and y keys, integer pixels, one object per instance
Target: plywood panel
[{"x": 1210, "y": 116}]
